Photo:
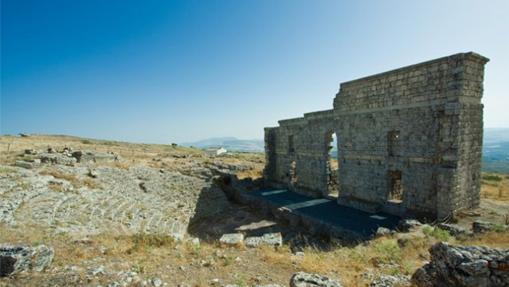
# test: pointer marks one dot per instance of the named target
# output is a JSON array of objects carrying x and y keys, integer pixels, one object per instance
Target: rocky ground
[{"x": 80, "y": 212}]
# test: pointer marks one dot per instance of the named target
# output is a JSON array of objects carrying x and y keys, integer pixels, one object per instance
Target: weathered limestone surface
[
  {"x": 15, "y": 259},
  {"x": 464, "y": 266},
  {"x": 302, "y": 279},
  {"x": 415, "y": 131}
]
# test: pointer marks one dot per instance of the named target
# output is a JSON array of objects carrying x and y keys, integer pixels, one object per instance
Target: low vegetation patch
[
  {"x": 387, "y": 251},
  {"x": 498, "y": 227},
  {"x": 56, "y": 186},
  {"x": 495, "y": 186},
  {"x": 492, "y": 177},
  {"x": 73, "y": 179},
  {"x": 5, "y": 169},
  {"x": 109, "y": 143},
  {"x": 437, "y": 233},
  {"x": 60, "y": 175},
  {"x": 144, "y": 241}
]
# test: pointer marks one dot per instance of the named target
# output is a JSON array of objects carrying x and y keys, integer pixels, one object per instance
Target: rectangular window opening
[
  {"x": 395, "y": 187},
  {"x": 291, "y": 147},
  {"x": 393, "y": 143}
]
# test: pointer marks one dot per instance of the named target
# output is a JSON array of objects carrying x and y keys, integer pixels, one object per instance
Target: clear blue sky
[{"x": 173, "y": 71}]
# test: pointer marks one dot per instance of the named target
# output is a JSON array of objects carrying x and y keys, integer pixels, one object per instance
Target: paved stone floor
[{"x": 327, "y": 210}]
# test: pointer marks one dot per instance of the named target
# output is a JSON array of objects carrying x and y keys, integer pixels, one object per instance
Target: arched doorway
[{"x": 332, "y": 165}]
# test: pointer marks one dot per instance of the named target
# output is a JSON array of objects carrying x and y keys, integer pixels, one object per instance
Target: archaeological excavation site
[{"x": 384, "y": 189}]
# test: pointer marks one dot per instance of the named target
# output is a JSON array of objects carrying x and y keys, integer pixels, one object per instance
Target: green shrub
[
  {"x": 498, "y": 227},
  {"x": 86, "y": 142},
  {"x": 427, "y": 230},
  {"x": 5, "y": 169},
  {"x": 109, "y": 143},
  {"x": 492, "y": 177},
  {"x": 228, "y": 260},
  {"x": 388, "y": 251},
  {"x": 437, "y": 233}
]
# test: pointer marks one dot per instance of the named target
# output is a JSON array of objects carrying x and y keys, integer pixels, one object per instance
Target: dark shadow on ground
[
  {"x": 329, "y": 211},
  {"x": 215, "y": 215}
]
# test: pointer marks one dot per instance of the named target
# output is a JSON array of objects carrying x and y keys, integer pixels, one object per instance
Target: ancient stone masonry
[{"x": 408, "y": 140}]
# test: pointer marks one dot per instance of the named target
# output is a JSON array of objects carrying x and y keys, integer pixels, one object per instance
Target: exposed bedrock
[{"x": 468, "y": 266}]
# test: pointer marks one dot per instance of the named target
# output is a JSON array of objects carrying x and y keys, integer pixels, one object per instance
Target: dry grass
[
  {"x": 90, "y": 183},
  {"x": 73, "y": 179},
  {"x": 5, "y": 169},
  {"x": 56, "y": 187},
  {"x": 384, "y": 254},
  {"x": 142, "y": 241},
  {"x": 171, "y": 158},
  {"x": 495, "y": 186},
  {"x": 60, "y": 175},
  {"x": 160, "y": 254},
  {"x": 251, "y": 173},
  {"x": 492, "y": 239}
]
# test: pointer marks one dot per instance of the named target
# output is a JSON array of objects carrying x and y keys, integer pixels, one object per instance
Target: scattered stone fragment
[
  {"x": 302, "y": 279},
  {"x": 466, "y": 266},
  {"x": 406, "y": 224},
  {"x": 454, "y": 230},
  {"x": 195, "y": 241},
  {"x": 56, "y": 158},
  {"x": 143, "y": 187},
  {"x": 30, "y": 151},
  {"x": 93, "y": 173},
  {"x": 25, "y": 164},
  {"x": 206, "y": 263},
  {"x": 84, "y": 241},
  {"x": 96, "y": 271},
  {"x": 156, "y": 282},
  {"x": 71, "y": 268},
  {"x": 270, "y": 239},
  {"x": 17, "y": 258},
  {"x": 92, "y": 156},
  {"x": 479, "y": 226},
  {"x": 473, "y": 213},
  {"x": 60, "y": 185},
  {"x": 390, "y": 281},
  {"x": 383, "y": 231},
  {"x": 403, "y": 241},
  {"x": 7, "y": 265},
  {"x": 77, "y": 155},
  {"x": 232, "y": 239}
]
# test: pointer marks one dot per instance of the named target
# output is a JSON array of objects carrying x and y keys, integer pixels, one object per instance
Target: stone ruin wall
[{"x": 421, "y": 124}]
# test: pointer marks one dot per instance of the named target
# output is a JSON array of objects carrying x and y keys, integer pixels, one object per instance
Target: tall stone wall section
[{"x": 422, "y": 122}]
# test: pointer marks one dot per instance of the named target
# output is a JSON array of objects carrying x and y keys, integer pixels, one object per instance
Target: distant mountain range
[
  {"x": 230, "y": 144},
  {"x": 495, "y": 147}
]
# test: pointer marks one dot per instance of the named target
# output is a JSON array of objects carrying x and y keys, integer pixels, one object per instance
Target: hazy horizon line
[{"x": 166, "y": 142}]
